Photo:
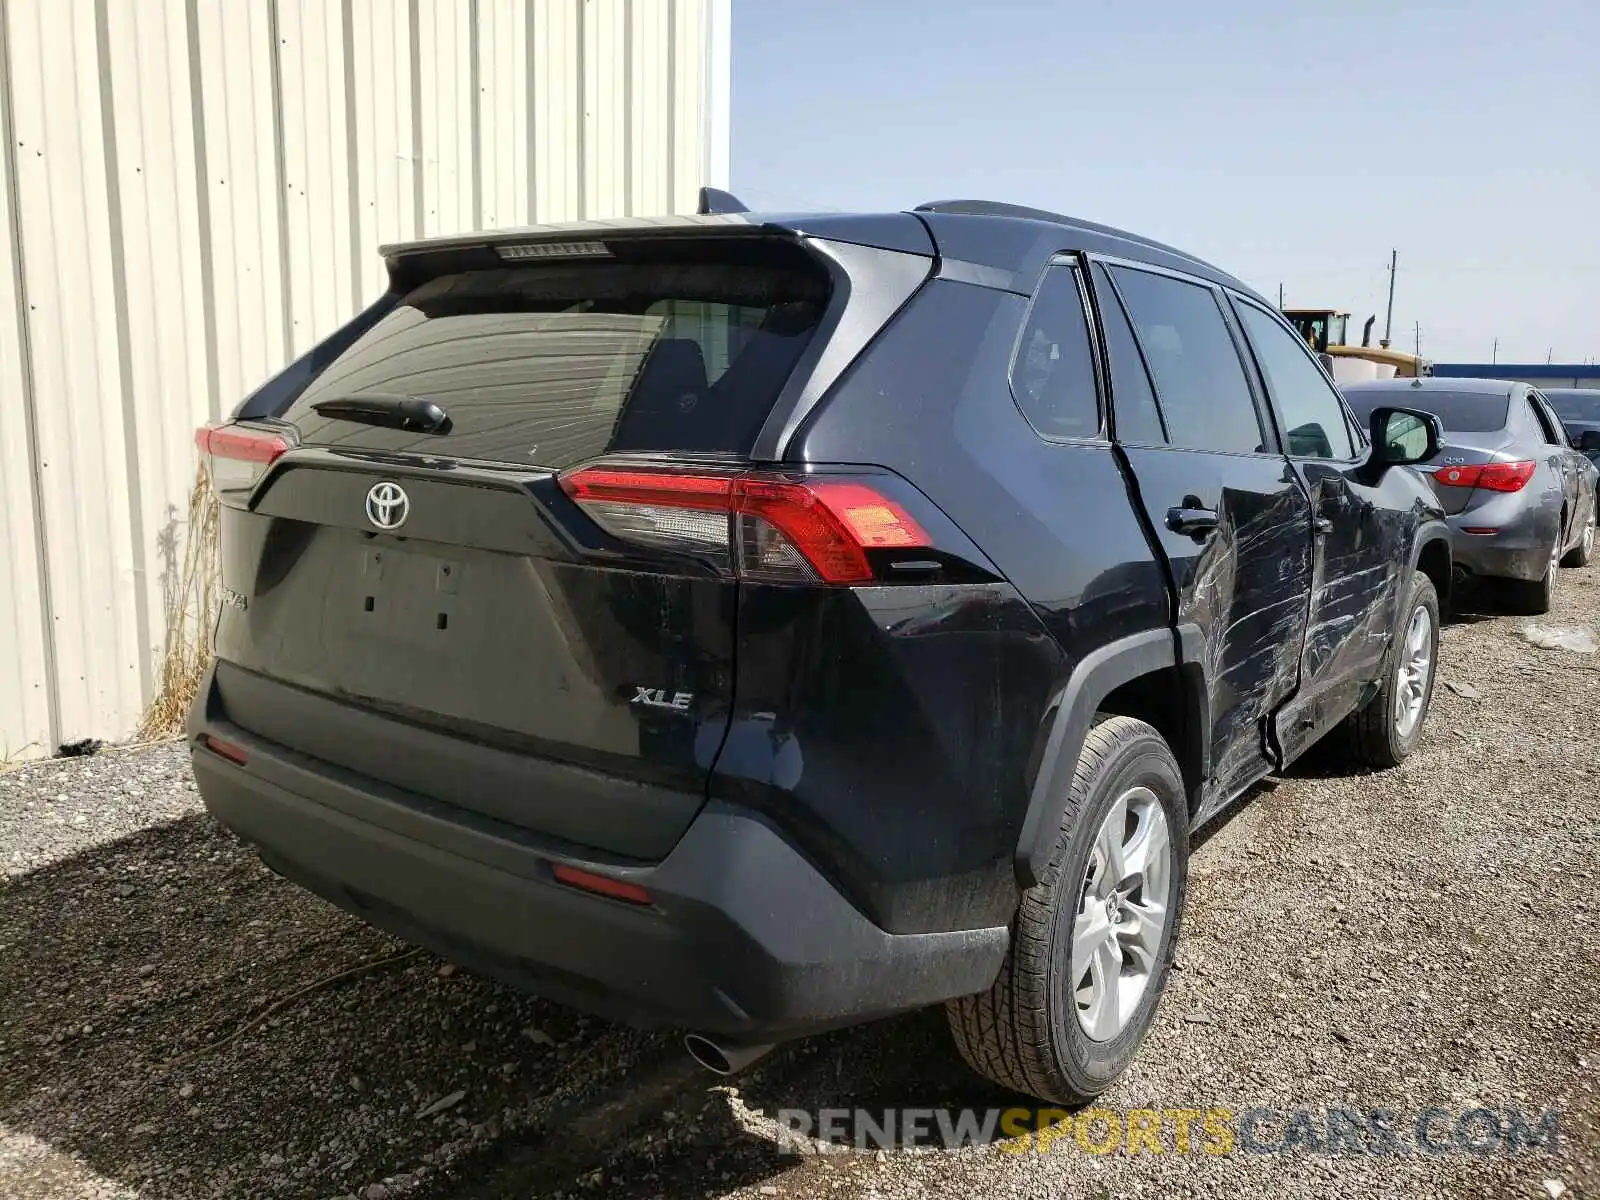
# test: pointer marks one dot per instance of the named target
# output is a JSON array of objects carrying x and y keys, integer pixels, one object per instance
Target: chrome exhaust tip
[{"x": 723, "y": 1058}]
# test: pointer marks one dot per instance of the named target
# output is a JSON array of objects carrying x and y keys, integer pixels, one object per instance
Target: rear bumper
[
  {"x": 744, "y": 938},
  {"x": 1519, "y": 550}
]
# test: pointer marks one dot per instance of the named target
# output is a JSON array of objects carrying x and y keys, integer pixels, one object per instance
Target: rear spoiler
[
  {"x": 413, "y": 263},
  {"x": 718, "y": 210},
  {"x": 576, "y": 231}
]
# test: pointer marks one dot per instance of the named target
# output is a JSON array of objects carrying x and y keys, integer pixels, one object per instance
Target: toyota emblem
[{"x": 388, "y": 506}]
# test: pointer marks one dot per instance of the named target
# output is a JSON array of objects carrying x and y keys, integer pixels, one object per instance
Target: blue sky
[{"x": 1287, "y": 143}]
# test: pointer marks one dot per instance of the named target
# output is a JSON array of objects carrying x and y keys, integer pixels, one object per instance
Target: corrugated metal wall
[{"x": 194, "y": 191}]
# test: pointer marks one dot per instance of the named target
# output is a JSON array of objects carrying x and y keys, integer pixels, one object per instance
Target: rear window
[
  {"x": 556, "y": 363},
  {"x": 1199, "y": 379},
  {"x": 1460, "y": 412},
  {"x": 1570, "y": 407}
]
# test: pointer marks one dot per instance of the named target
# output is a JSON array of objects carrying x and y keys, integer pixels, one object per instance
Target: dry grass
[{"x": 191, "y": 595}]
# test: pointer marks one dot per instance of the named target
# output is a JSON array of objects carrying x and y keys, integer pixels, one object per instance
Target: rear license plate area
[{"x": 408, "y": 595}]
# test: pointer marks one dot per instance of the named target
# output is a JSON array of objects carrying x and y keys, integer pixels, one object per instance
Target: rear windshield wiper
[{"x": 416, "y": 414}]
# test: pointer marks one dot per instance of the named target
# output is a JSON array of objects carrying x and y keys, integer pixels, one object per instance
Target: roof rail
[
  {"x": 997, "y": 208},
  {"x": 990, "y": 208},
  {"x": 715, "y": 200}
]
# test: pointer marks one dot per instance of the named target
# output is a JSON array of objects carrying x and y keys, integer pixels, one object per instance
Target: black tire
[
  {"x": 1582, "y": 554},
  {"x": 1533, "y": 597},
  {"x": 1525, "y": 598},
  {"x": 1024, "y": 1033},
  {"x": 1374, "y": 734}
]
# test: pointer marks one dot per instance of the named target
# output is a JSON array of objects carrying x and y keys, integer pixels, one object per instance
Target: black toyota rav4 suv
[{"x": 756, "y": 625}]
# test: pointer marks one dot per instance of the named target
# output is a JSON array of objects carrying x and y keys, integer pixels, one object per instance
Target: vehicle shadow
[
  {"x": 182, "y": 1022},
  {"x": 697, "y": 1135},
  {"x": 1473, "y": 601},
  {"x": 1329, "y": 758},
  {"x": 1216, "y": 824}
]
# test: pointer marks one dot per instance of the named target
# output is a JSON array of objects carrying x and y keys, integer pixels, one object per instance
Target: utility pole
[
  {"x": 1280, "y": 297},
  {"x": 1548, "y": 354},
  {"x": 1418, "y": 328},
  {"x": 1388, "y": 320},
  {"x": 1494, "y": 355}
]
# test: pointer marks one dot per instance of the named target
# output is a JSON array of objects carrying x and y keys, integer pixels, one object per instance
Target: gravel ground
[{"x": 1424, "y": 937}]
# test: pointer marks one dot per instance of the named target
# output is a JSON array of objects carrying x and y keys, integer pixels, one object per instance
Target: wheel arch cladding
[
  {"x": 1155, "y": 676},
  {"x": 1433, "y": 560}
]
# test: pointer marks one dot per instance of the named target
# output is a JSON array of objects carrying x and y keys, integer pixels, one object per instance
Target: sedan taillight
[{"x": 1493, "y": 477}]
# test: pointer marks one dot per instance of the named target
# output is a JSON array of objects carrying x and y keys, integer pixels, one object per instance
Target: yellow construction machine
[{"x": 1324, "y": 330}]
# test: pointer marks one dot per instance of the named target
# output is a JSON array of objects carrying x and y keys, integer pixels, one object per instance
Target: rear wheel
[
  {"x": 1533, "y": 598},
  {"x": 1093, "y": 940},
  {"x": 1388, "y": 728},
  {"x": 1582, "y": 554}
]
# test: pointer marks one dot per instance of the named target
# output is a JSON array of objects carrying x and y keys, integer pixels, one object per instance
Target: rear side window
[
  {"x": 1459, "y": 412},
  {"x": 1052, "y": 376},
  {"x": 1132, "y": 399},
  {"x": 1549, "y": 428},
  {"x": 1198, "y": 376},
  {"x": 1314, "y": 423},
  {"x": 556, "y": 363}
]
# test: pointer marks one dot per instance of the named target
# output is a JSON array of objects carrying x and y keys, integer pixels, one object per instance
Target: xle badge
[{"x": 661, "y": 698}]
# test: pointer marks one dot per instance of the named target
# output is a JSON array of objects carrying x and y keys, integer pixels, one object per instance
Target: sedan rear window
[
  {"x": 555, "y": 363},
  {"x": 1460, "y": 412}
]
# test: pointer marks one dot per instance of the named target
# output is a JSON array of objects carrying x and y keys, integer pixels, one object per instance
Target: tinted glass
[
  {"x": 1575, "y": 406},
  {"x": 1463, "y": 412},
  {"x": 1545, "y": 421},
  {"x": 553, "y": 364},
  {"x": 1053, "y": 375},
  {"x": 1313, "y": 419},
  {"x": 1133, "y": 400},
  {"x": 1198, "y": 376}
]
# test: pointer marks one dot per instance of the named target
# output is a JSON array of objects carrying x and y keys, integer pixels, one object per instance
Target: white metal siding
[{"x": 194, "y": 191}]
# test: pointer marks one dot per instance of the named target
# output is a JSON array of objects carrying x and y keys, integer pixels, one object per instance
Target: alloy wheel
[
  {"x": 1122, "y": 913},
  {"x": 1414, "y": 672}
]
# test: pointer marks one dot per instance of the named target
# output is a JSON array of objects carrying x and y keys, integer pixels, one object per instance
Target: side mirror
[
  {"x": 1402, "y": 436},
  {"x": 1589, "y": 443},
  {"x": 1326, "y": 360}
]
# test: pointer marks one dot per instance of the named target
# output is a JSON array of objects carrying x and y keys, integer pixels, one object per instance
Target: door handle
[
  {"x": 1323, "y": 526},
  {"x": 1192, "y": 522}
]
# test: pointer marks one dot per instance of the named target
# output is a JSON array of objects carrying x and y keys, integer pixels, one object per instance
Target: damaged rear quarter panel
[
  {"x": 1244, "y": 587},
  {"x": 887, "y": 730}
]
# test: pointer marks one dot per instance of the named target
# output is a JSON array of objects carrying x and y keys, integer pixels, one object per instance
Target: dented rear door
[{"x": 1229, "y": 511}]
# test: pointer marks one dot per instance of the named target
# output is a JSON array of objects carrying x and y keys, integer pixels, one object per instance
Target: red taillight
[
  {"x": 759, "y": 526},
  {"x": 1493, "y": 477},
  {"x": 665, "y": 489},
  {"x": 1506, "y": 477},
  {"x": 601, "y": 885},
  {"x": 236, "y": 454},
  {"x": 224, "y": 749}
]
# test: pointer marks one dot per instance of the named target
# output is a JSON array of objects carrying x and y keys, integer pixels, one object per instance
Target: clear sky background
[{"x": 1287, "y": 143}]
